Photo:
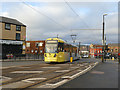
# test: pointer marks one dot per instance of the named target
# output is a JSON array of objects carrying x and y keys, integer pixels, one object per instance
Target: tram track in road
[
  {"x": 19, "y": 68},
  {"x": 26, "y": 76},
  {"x": 34, "y": 85},
  {"x": 31, "y": 75},
  {"x": 47, "y": 72}
]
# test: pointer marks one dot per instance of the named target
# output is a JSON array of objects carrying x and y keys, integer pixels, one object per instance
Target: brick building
[
  {"x": 35, "y": 47},
  {"x": 12, "y": 36},
  {"x": 95, "y": 50},
  {"x": 114, "y": 48}
]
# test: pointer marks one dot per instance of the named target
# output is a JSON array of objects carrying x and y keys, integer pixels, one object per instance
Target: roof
[
  {"x": 113, "y": 44},
  {"x": 11, "y": 21},
  {"x": 95, "y": 45},
  {"x": 59, "y": 40},
  {"x": 36, "y": 41}
]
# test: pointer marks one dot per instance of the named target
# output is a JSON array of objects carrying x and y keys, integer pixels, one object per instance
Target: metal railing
[{"x": 19, "y": 57}]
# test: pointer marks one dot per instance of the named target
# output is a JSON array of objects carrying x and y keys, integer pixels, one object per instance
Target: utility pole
[
  {"x": 105, "y": 47},
  {"x": 103, "y": 42},
  {"x": 79, "y": 48},
  {"x": 73, "y": 36}
]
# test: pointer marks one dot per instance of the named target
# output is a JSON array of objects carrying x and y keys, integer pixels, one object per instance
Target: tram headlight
[{"x": 55, "y": 55}]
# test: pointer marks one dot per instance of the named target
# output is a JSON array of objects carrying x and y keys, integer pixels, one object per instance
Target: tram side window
[
  {"x": 66, "y": 48},
  {"x": 60, "y": 47},
  {"x": 75, "y": 52}
]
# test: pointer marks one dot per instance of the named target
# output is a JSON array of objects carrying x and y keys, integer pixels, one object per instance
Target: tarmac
[{"x": 104, "y": 75}]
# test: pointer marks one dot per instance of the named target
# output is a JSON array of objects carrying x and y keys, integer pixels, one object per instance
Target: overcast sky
[{"x": 47, "y": 19}]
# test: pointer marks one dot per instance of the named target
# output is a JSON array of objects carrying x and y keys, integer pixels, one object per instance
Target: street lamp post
[
  {"x": 73, "y": 36},
  {"x": 105, "y": 48},
  {"x": 103, "y": 42},
  {"x": 79, "y": 49}
]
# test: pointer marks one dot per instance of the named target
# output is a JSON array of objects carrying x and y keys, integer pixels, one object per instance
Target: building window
[
  {"x": 27, "y": 50},
  {"x": 37, "y": 44},
  {"x": 7, "y": 26},
  {"x": 32, "y": 51},
  {"x": 18, "y": 28},
  {"x": 36, "y": 51},
  {"x": 17, "y": 36},
  {"x": 98, "y": 51},
  {"x": 40, "y": 44},
  {"x": 41, "y": 51},
  {"x": 27, "y": 44}
]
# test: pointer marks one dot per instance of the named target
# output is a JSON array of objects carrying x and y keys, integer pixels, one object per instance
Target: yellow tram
[{"x": 57, "y": 50}]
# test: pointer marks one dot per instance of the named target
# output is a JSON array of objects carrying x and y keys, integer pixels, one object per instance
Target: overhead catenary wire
[
  {"x": 74, "y": 11},
  {"x": 84, "y": 29},
  {"x": 54, "y": 20},
  {"x": 71, "y": 7},
  {"x": 43, "y": 14}
]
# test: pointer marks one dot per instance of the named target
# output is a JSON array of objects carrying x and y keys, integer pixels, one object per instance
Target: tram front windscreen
[{"x": 51, "y": 47}]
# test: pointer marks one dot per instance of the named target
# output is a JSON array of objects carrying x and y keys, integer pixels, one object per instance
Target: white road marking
[
  {"x": 28, "y": 81},
  {"x": 50, "y": 67},
  {"x": 79, "y": 70},
  {"x": 3, "y": 77},
  {"x": 83, "y": 71},
  {"x": 31, "y": 80},
  {"x": 62, "y": 71},
  {"x": 97, "y": 72},
  {"x": 81, "y": 65},
  {"x": 6, "y": 67},
  {"x": 27, "y": 72},
  {"x": 3, "y": 67},
  {"x": 85, "y": 63},
  {"x": 74, "y": 67},
  {"x": 48, "y": 85},
  {"x": 61, "y": 82},
  {"x": 36, "y": 78},
  {"x": 66, "y": 77}
]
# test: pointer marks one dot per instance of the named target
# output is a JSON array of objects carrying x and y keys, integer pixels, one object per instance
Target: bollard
[
  {"x": 71, "y": 59},
  {"x": 112, "y": 58}
]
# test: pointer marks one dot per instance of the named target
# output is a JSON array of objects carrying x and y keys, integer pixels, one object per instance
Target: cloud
[{"x": 49, "y": 19}]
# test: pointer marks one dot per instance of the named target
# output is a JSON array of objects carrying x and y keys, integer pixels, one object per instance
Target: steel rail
[
  {"x": 19, "y": 69},
  {"x": 24, "y": 77},
  {"x": 30, "y": 76},
  {"x": 33, "y": 85}
]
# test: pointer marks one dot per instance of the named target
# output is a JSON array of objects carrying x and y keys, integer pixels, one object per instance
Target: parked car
[
  {"x": 85, "y": 56},
  {"x": 108, "y": 56}
]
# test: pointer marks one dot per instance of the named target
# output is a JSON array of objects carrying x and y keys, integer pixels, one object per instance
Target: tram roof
[{"x": 58, "y": 39}]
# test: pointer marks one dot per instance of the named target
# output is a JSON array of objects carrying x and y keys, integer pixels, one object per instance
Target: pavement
[{"x": 104, "y": 75}]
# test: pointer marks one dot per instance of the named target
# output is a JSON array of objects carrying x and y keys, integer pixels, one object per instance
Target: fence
[{"x": 24, "y": 57}]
